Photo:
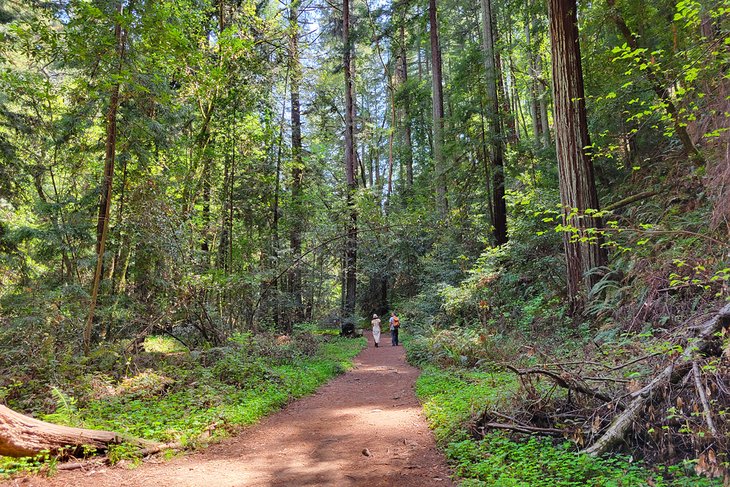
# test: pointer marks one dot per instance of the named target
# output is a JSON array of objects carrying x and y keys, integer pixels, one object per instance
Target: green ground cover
[
  {"x": 452, "y": 398},
  {"x": 186, "y": 396}
]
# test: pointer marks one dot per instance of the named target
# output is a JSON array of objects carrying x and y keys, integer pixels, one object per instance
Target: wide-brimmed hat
[{"x": 375, "y": 316}]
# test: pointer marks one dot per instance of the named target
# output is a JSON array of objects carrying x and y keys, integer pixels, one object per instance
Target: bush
[{"x": 236, "y": 371}]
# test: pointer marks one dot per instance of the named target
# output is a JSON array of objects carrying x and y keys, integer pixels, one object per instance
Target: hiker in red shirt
[{"x": 394, "y": 327}]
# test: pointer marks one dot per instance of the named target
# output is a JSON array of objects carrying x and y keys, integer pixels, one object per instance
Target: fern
[{"x": 67, "y": 412}]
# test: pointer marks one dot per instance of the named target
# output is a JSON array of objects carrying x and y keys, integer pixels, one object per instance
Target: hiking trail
[{"x": 363, "y": 428}]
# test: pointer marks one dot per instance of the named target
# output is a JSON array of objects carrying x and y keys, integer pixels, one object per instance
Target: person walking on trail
[
  {"x": 376, "y": 330},
  {"x": 394, "y": 327}
]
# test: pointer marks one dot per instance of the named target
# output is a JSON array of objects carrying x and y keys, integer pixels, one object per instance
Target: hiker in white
[{"x": 376, "y": 330}]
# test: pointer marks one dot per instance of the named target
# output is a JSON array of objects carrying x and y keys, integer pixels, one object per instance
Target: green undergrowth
[
  {"x": 187, "y": 401},
  {"x": 453, "y": 398},
  {"x": 233, "y": 392}
]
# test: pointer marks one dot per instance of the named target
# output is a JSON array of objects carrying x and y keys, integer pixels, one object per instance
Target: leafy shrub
[
  {"x": 145, "y": 384},
  {"x": 466, "y": 347},
  {"x": 237, "y": 371}
]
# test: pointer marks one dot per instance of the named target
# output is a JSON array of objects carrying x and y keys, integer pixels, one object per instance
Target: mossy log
[{"x": 23, "y": 436}]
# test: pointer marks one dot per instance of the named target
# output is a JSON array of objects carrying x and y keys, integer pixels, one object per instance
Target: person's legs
[{"x": 396, "y": 336}]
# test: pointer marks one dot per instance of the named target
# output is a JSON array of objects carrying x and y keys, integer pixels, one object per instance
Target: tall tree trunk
[
  {"x": 499, "y": 215},
  {"x": 407, "y": 149},
  {"x": 439, "y": 165},
  {"x": 575, "y": 167},
  {"x": 350, "y": 166},
  {"x": 653, "y": 76},
  {"x": 204, "y": 245},
  {"x": 297, "y": 171},
  {"x": 123, "y": 248},
  {"x": 533, "y": 67},
  {"x": 225, "y": 237},
  {"x": 105, "y": 202},
  {"x": 390, "y": 82},
  {"x": 276, "y": 245},
  {"x": 505, "y": 82},
  {"x": 543, "y": 103}
]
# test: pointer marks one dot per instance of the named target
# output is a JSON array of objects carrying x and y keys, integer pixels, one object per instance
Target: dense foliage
[{"x": 177, "y": 168}]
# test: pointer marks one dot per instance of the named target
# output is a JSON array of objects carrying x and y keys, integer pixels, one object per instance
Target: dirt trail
[{"x": 364, "y": 428}]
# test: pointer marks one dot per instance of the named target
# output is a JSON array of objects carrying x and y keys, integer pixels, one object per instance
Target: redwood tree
[
  {"x": 350, "y": 166},
  {"x": 499, "y": 205},
  {"x": 297, "y": 171},
  {"x": 438, "y": 110},
  {"x": 575, "y": 167}
]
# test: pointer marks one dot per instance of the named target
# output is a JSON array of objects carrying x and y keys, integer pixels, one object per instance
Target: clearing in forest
[{"x": 364, "y": 428}]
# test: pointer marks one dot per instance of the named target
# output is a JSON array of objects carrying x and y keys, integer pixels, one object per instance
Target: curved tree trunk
[{"x": 23, "y": 436}]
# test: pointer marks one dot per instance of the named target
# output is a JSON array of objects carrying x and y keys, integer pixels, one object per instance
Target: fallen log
[
  {"x": 23, "y": 436},
  {"x": 672, "y": 374}
]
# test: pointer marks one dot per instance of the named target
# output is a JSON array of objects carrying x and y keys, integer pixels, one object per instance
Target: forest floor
[{"x": 363, "y": 428}]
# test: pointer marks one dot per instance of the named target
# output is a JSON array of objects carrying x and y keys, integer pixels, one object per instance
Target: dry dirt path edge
[{"x": 364, "y": 428}]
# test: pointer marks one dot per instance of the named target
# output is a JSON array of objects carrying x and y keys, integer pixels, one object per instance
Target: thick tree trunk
[
  {"x": 499, "y": 205},
  {"x": 23, "y": 436},
  {"x": 297, "y": 171},
  {"x": 105, "y": 202},
  {"x": 438, "y": 112},
  {"x": 350, "y": 168},
  {"x": 575, "y": 167}
]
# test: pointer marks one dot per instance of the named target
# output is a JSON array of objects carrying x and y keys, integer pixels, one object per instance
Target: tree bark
[
  {"x": 499, "y": 205},
  {"x": 23, "y": 436},
  {"x": 105, "y": 203},
  {"x": 575, "y": 167},
  {"x": 438, "y": 112},
  {"x": 543, "y": 105},
  {"x": 407, "y": 139},
  {"x": 350, "y": 167},
  {"x": 297, "y": 171}
]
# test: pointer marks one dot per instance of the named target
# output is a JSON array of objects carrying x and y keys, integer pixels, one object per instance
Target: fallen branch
[
  {"x": 703, "y": 399},
  {"x": 520, "y": 428},
  {"x": 564, "y": 381},
  {"x": 673, "y": 373},
  {"x": 630, "y": 199}
]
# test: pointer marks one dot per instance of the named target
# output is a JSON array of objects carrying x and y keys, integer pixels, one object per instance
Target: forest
[{"x": 197, "y": 196}]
